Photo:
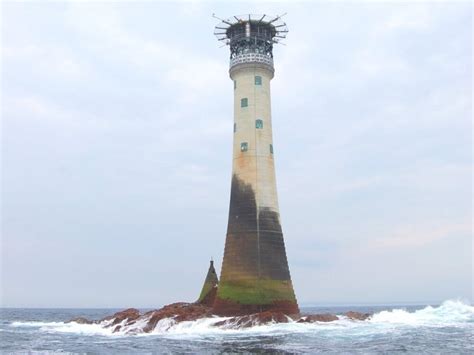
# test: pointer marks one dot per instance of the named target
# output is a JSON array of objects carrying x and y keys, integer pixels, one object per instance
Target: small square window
[
  {"x": 235, "y": 127},
  {"x": 244, "y": 147},
  {"x": 235, "y": 84},
  {"x": 271, "y": 148},
  {"x": 258, "y": 124},
  {"x": 258, "y": 80},
  {"x": 244, "y": 102}
]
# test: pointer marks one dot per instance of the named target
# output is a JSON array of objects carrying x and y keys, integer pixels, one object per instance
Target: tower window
[
  {"x": 244, "y": 102},
  {"x": 258, "y": 80},
  {"x": 259, "y": 124},
  {"x": 271, "y": 148},
  {"x": 244, "y": 147},
  {"x": 235, "y": 84},
  {"x": 235, "y": 127}
]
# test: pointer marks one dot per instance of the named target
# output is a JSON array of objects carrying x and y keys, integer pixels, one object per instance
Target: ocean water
[{"x": 443, "y": 329}]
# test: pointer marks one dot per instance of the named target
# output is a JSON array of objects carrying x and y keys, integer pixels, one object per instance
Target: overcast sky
[{"x": 117, "y": 144}]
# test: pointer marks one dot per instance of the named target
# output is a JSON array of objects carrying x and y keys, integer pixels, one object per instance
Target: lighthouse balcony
[{"x": 251, "y": 58}]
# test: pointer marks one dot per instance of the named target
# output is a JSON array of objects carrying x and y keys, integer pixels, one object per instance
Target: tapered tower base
[{"x": 255, "y": 276}]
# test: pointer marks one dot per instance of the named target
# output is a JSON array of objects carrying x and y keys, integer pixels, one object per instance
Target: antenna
[
  {"x": 214, "y": 15},
  {"x": 251, "y": 36}
]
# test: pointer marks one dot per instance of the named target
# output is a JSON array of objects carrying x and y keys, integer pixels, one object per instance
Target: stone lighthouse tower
[{"x": 255, "y": 276}]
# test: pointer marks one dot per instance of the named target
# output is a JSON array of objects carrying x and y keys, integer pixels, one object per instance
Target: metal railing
[{"x": 251, "y": 58}]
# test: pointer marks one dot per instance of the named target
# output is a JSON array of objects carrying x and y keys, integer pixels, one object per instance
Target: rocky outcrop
[
  {"x": 123, "y": 318},
  {"x": 178, "y": 311},
  {"x": 253, "y": 320},
  {"x": 131, "y": 321},
  {"x": 357, "y": 315},
  {"x": 129, "y": 314}
]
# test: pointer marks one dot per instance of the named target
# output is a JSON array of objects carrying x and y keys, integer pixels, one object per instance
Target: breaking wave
[{"x": 450, "y": 313}]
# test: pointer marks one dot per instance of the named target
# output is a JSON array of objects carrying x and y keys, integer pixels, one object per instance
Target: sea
[{"x": 447, "y": 328}]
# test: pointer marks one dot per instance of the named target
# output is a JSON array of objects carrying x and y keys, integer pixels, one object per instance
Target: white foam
[
  {"x": 82, "y": 329},
  {"x": 137, "y": 327},
  {"x": 35, "y": 324},
  {"x": 164, "y": 325},
  {"x": 449, "y": 313}
]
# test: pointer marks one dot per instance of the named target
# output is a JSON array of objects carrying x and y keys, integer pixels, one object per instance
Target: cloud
[{"x": 420, "y": 236}]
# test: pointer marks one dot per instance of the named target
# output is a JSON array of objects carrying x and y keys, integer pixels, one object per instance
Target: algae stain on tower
[{"x": 255, "y": 276}]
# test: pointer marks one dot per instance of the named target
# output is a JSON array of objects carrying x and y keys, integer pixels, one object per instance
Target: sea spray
[{"x": 448, "y": 313}]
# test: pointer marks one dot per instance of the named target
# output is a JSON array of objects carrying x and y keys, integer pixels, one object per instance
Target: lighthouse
[{"x": 255, "y": 276}]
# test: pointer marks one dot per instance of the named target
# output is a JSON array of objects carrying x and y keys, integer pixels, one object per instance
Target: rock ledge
[{"x": 131, "y": 321}]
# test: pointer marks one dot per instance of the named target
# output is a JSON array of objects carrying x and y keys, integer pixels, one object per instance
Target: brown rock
[
  {"x": 178, "y": 311},
  {"x": 129, "y": 314},
  {"x": 357, "y": 315},
  {"x": 182, "y": 311},
  {"x": 318, "y": 318},
  {"x": 80, "y": 320},
  {"x": 251, "y": 320}
]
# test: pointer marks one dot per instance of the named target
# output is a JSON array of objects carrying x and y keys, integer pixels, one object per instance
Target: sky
[{"x": 117, "y": 144}]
